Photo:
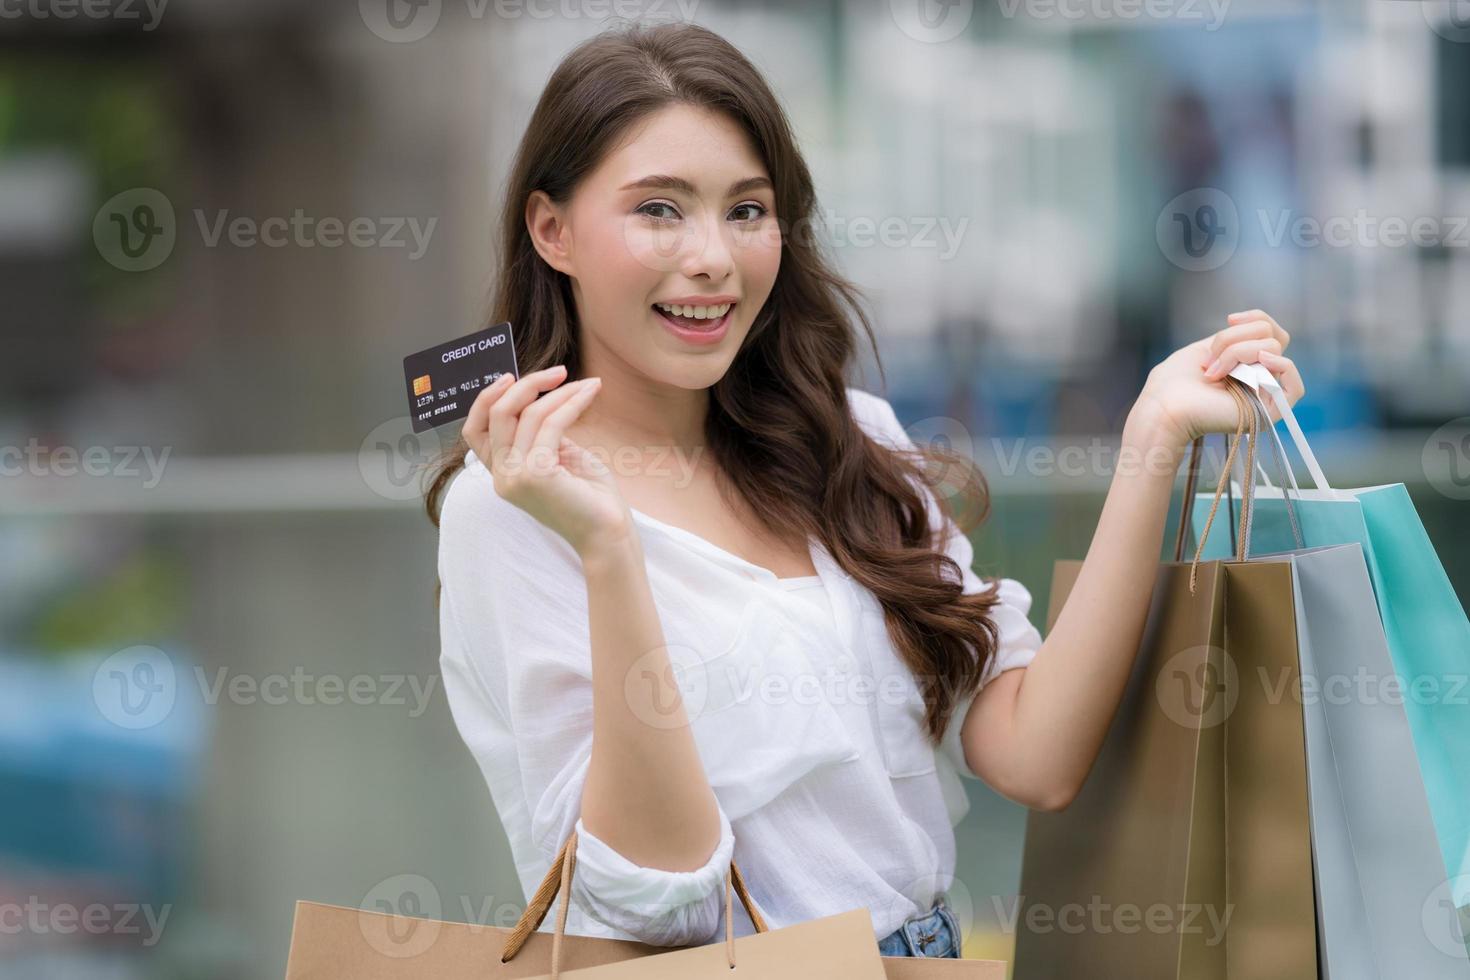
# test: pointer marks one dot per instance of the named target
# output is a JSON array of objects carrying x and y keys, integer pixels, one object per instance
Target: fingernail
[
  {"x": 1214, "y": 367},
  {"x": 500, "y": 381}
]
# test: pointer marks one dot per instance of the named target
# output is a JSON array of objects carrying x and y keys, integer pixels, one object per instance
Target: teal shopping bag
[{"x": 1427, "y": 630}]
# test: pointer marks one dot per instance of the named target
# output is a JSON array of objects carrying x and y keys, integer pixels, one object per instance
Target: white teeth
[{"x": 697, "y": 312}]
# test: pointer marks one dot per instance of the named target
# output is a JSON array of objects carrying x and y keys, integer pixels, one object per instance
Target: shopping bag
[
  {"x": 1376, "y": 859},
  {"x": 1427, "y": 629},
  {"x": 330, "y": 942},
  {"x": 1376, "y": 863},
  {"x": 1188, "y": 851}
]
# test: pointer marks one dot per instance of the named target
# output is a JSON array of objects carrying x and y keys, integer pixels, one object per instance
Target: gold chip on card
[{"x": 421, "y": 385}]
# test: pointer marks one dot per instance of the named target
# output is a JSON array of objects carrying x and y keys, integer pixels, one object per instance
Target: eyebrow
[{"x": 668, "y": 182}]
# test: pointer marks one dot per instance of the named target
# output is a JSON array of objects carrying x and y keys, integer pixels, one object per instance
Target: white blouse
[{"x": 809, "y": 725}]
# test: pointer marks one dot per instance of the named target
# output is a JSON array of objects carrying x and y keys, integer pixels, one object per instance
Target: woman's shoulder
[
  {"x": 471, "y": 507},
  {"x": 876, "y": 416},
  {"x": 482, "y": 532}
]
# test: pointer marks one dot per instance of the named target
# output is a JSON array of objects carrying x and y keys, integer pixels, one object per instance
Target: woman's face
[{"x": 680, "y": 212}]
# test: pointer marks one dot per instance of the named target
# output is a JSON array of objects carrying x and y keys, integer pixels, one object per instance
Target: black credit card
[{"x": 442, "y": 382}]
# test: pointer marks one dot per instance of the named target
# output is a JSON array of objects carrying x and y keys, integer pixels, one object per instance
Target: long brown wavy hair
[{"x": 779, "y": 426}]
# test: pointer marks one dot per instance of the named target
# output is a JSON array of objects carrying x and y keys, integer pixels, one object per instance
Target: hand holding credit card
[
  {"x": 576, "y": 496},
  {"x": 443, "y": 380}
]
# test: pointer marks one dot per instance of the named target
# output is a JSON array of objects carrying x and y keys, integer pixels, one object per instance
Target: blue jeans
[{"x": 935, "y": 933}]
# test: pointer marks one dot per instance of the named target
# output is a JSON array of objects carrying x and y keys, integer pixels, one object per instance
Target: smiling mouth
[{"x": 690, "y": 318}]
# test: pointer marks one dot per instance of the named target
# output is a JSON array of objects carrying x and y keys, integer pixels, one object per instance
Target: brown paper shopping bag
[
  {"x": 1188, "y": 853},
  {"x": 338, "y": 944},
  {"x": 330, "y": 942}
]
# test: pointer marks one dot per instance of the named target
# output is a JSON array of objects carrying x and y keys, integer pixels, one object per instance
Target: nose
[{"x": 710, "y": 255}]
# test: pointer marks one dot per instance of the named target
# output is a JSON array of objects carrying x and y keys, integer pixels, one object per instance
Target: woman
[{"x": 698, "y": 599}]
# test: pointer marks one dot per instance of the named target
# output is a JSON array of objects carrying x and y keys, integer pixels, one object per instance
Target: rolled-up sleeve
[
  {"x": 662, "y": 908},
  {"x": 516, "y": 662},
  {"x": 1018, "y": 642}
]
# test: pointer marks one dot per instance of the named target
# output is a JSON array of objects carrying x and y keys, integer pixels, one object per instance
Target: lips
[
  {"x": 708, "y": 324},
  {"x": 696, "y": 331}
]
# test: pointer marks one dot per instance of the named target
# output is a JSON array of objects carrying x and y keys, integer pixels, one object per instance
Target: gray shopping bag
[{"x": 1377, "y": 865}]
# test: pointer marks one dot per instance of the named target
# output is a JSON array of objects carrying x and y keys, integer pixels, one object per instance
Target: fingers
[
  {"x": 484, "y": 422},
  {"x": 1249, "y": 325},
  {"x": 1285, "y": 371},
  {"x": 550, "y": 435},
  {"x": 534, "y": 418},
  {"x": 505, "y": 414},
  {"x": 477, "y": 423},
  {"x": 1244, "y": 352}
]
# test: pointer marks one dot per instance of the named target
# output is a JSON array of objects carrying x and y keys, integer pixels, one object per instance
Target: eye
[
  {"x": 760, "y": 211},
  {"x": 645, "y": 210}
]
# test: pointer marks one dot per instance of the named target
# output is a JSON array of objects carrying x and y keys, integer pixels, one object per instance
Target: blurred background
[{"x": 223, "y": 223}]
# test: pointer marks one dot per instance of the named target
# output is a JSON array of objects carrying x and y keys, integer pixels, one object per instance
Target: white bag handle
[{"x": 1259, "y": 378}]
